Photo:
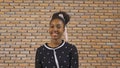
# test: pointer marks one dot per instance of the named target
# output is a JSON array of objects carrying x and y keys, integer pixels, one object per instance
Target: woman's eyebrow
[
  {"x": 57, "y": 24},
  {"x": 51, "y": 24}
]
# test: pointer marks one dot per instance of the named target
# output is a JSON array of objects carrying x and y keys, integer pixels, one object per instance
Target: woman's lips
[{"x": 54, "y": 34}]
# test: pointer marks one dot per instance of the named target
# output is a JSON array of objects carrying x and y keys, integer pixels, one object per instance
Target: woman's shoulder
[
  {"x": 70, "y": 45},
  {"x": 41, "y": 47}
]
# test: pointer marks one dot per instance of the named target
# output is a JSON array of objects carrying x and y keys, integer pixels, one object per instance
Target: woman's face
[{"x": 56, "y": 29}]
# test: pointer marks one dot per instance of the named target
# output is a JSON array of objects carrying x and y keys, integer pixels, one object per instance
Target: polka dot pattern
[{"x": 66, "y": 56}]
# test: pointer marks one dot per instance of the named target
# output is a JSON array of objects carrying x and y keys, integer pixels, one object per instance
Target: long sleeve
[
  {"x": 37, "y": 60},
  {"x": 74, "y": 57}
]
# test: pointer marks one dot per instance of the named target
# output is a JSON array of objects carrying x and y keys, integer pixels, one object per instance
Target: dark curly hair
[{"x": 63, "y": 16}]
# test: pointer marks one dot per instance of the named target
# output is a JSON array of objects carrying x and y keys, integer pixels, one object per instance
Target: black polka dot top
[{"x": 63, "y": 56}]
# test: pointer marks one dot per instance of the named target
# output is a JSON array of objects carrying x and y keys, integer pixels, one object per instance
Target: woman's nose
[{"x": 55, "y": 28}]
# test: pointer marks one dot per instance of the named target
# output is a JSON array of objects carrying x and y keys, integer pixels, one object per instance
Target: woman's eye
[{"x": 51, "y": 26}]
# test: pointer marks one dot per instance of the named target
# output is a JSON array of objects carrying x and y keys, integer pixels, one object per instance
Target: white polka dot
[
  {"x": 42, "y": 62},
  {"x": 75, "y": 62},
  {"x": 49, "y": 62},
  {"x": 43, "y": 49},
  {"x": 40, "y": 52},
  {"x": 64, "y": 61},
  {"x": 63, "y": 52},
  {"x": 44, "y": 57},
  {"x": 61, "y": 66},
  {"x": 75, "y": 52},
  {"x": 52, "y": 57},
  {"x": 48, "y": 53},
  {"x": 72, "y": 58},
  {"x": 67, "y": 55},
  {"x": 53, "y": 66},
  {"x": 59, "y": 56}
]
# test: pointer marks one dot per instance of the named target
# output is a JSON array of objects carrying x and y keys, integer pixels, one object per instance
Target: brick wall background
[{"x": 94, "y": 29}]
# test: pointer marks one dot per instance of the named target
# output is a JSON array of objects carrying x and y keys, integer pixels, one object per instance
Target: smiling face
[{"x": 56, "y": 29}]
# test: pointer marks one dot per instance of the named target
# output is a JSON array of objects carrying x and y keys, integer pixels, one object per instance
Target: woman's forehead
[{"x": 56, "y": 21}]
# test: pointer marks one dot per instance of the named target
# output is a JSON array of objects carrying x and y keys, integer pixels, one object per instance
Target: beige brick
[
  {"x": 30, "y": 18},
  {"x": 18, "y": 1},
  {"x": 85, "y": 64},
  {"x": 9, "y": 49},
  {"x": 1, "y": 0},
  {"x": 21, "y": 55},
  {"x": 3, "y": 64},
  {"x": 108, "y": 2},
  {"x": 26, "y": 40},
  {"x": 94, "y": 5},
  {"x": 98, "y": 2},
  {"x": 104, "y": 16},
  {"x": 27, "y": 1},
  {"x": 58, "y": 1},
  {"x": 4, "y": 10},
  {"x": 21, "y": 13},
  {"x": 92, "y": 61},
  {"x": 43, "y": 4},
  {"x": 8, "y": 0},
  {"x": 83, "y": 5},
  {"x": 96, "y": 64},
  {"x": 59, "y": 8},
  {"x": 83, "y": 11},
  {"x": 92, "y": 11},
  {"x": 94, "y": 16},
  {"x": 10, "y": 19},
  {"x": 20, "y": 19},
  {"x": 63, "y": 4},
  {"x": 74, "y": 5}
]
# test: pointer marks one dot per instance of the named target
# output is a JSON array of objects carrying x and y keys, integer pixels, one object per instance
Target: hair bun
[{"x": 63, "y": 15}]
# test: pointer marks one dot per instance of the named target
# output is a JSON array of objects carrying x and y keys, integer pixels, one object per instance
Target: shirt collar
[{"x": 50, "y": 48}]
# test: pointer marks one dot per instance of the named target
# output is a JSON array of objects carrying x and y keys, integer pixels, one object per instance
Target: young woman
[{"x": 58, "y": 53}]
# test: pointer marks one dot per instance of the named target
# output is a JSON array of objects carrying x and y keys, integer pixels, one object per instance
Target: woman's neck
[{"x": 55, "y": 43}]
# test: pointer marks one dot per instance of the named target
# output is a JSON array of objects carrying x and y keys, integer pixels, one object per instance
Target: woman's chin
[{"x": 55, "y": 38}]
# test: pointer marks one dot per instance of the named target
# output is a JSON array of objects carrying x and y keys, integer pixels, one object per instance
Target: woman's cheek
[{"x": 50, "y": 31}]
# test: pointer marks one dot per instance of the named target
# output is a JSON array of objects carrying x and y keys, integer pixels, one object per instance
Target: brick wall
[{"x": 94, "y": 29}]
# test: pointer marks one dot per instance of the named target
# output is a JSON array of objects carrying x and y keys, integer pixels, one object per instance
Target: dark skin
[{"x": 56, "y": 31}]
